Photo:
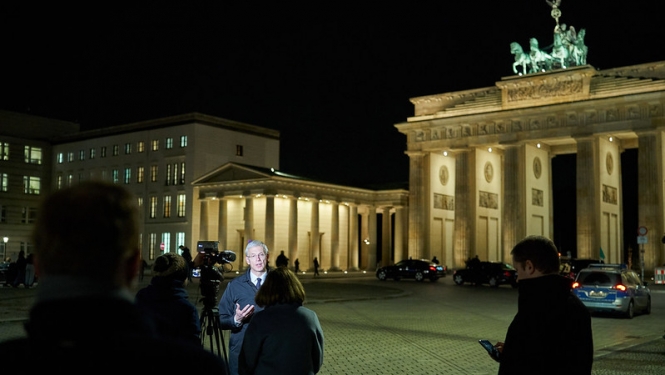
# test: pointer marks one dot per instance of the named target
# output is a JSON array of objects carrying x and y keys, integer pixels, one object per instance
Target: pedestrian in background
[
  {"x": 168, "y": 301},
  {"x": 29, "y": 270},
  {"x": 20, "y": 269},
  {"x": 297, "y": 264},
  {"x": 285, "y": 337},
  {"x": 282, "y": 260},
  {"x": 548, "y": 315},
  {"x": 316, "y": 266},
  {"x": 187, "y": 255},
  {"x": 86, "y": 246}
]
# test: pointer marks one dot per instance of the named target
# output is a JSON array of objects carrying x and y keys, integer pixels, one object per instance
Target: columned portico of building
[{"x": 304, "y": 219}]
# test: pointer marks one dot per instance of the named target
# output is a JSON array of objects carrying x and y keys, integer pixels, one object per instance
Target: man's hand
[{"x": 244, "y": 313}]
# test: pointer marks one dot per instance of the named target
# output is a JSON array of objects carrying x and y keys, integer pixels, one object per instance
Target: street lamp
[{"x": 4, "y": 248}]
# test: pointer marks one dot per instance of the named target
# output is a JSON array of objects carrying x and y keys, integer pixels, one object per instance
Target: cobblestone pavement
[{"x": 405, "y": 327}]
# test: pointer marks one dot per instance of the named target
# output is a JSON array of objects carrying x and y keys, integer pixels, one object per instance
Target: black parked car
[
  {"x": 419, "y": 269},
  {"x": 492, "y": 273}
]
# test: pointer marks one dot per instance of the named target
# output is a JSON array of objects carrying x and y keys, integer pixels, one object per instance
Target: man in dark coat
[
  {"x": 84, "y": 317},
  {"x": 548, "y": 317},
  {"x": 282, "y": 260}
]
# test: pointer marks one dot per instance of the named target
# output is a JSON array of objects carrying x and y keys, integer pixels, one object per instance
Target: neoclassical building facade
[{"x": 480, "y": 162}]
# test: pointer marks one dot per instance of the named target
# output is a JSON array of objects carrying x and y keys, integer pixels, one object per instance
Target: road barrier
[{"x": 659, "y": 275}]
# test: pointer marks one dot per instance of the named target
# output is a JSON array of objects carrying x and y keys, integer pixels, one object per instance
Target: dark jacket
[
  {"x": 88, "y": 334},
  {"x": 174, "y": 315},
  {"x": 551, "y": 331},
  {"x": 282, "y": 339},
  {"x": 240, "y": 290}
]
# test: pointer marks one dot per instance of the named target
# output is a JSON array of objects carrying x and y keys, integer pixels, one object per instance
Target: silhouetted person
[
  {"x": 86, "y": 246},
  {"x": 282, "y": 260},
  {"x": 316, "y": 266},
  {"x": 297, "y": 264},
  {"x": 435, "y": 261}
]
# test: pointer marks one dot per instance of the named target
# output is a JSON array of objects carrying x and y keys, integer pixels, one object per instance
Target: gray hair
[{"x": 255, "y": 243}]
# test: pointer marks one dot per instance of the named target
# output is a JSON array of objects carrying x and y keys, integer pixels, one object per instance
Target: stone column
[
  {"x": 269, "y": 239},
  {"x": 222, "y": 230},
  {"x": 399, "y": 234},
  {"x": 315, "y": 234},
  {"x": 203, "y": 230},
  {"x": 353, "y": 238},
  {"x": 514, "y": 221},
  {"x": 249, "y": 220},
  {"x": 464, "y": 207},
  {"x": 371, "y": 248},
  {"x": 650, "y": 165},
  {"x": 386, "y": 237},
  {"x": 334, "y": 237},
  {"x": 588, "y": 198},
  {"x": 417, "y": 204},
  {"x": 293, "y": 229}
]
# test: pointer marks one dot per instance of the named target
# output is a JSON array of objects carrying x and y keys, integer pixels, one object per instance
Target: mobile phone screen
[{"x": 493, "y": 352}]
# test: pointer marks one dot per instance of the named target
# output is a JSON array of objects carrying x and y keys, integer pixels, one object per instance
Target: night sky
[{"x": 332, "y": 78}]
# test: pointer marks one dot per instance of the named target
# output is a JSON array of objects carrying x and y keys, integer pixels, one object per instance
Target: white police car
[{"x": 612, "y": 288}]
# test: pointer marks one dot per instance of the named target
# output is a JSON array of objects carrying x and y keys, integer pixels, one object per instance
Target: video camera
[
  {"x": 211, "y": 275},
  {"x": 212, "y": 255}
]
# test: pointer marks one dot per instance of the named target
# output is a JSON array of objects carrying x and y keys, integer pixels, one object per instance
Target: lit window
[
  {"x": 169, "y": 143},
  {"x": 33, "y": 155},
  {"x": 92, "y": 153},
  {"x": 116, "y": 176},
  {"x": 155, "y": 145},
  {"x": 31, "y": 185},
  {"x": 183, "y": 141},
  {"x": 4, "y": 151},
  {"x": 60, "y": 158},
  {"x": 153, "y": 207},
  {"x": 70, "y": 157},
  {"x": 140, "y": 146},
  {"x": 167, "y": 206},
  {"x": 140, "y": 174},
  {"x": 102, "y": 152},
  {"x": 28, "y": 215},
  {"x": 181, "y": 205},
  {"x": 128, "y": 175},
  {"x": 128, "y": 148},
  {"x": 238, "y": 150},
  {"x": 116, "y": 150},
  {"x": 81, "y": 155},
  {"x": 4, "y": 182},
  {"x": 153, "y": 173}
]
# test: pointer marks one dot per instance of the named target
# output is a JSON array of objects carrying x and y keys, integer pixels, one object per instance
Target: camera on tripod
[{"x": 208, "y": 259}]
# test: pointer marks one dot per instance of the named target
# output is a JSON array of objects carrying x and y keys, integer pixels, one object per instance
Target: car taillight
[
  {"x": 432, "y": 268},
  {"x": 506, "y": 274},
  {"x": 620, "y": 287},
  {"x": 576, "y": 285}
]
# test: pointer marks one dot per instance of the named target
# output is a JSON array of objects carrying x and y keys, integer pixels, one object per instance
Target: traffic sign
[
  {"x": 642, "y": 231},
  {"x": 641, "y": 240}
]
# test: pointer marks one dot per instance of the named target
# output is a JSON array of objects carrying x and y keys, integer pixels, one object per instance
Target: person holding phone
[{"x": 548, "y": 315}]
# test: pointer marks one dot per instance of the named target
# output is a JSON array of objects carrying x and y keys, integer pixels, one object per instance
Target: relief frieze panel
[
  {"x": 488, "y": 200},
  {"x": 444, "y": 202},
  {"x": 545, "y": 89}
]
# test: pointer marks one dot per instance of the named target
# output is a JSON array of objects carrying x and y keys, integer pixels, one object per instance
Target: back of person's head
[
  {"x": 256, "y": 243},
  {"x": 281, "y": 286},
  {"x": 170, "y": 265},
  {"x": 540, "y": 250},
  {"x": 89, "y": 229}
]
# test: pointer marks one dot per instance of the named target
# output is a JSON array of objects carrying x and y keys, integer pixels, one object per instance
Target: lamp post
[{"x": 4, "y": 248}]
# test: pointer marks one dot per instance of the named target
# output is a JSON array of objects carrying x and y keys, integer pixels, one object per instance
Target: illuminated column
[
  {"x": 417, "y": 207},
  {"x": 386, "y": 236},
  {"x": 270, "y": 222},
  {"x": 464, "y": 202},
  {"x": 650, "y": 172},
  {"x": 353, "y": 237},
  {"x": 334, "y": 237},
  {"x": 249, "y": 220},
  {"x": 588, "y": 200},
  {"x": 293, "y": 228},
  {"x": 371, "y": 232},
  {"x": 222, "y": 231},
  {"x": 514, "y": 221},
  {"x": 399, "y": 233},
  {"x": 203, "y": 230},
  {"x": 315, "y": 234}
]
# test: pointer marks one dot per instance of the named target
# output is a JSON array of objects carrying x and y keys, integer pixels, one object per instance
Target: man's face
[
  {"x": 524, "y": 269},
  {"x": 257, "y": 259}
]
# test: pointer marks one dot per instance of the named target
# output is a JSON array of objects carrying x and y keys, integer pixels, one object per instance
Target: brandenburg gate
[{"x": 480, "y": 162}]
